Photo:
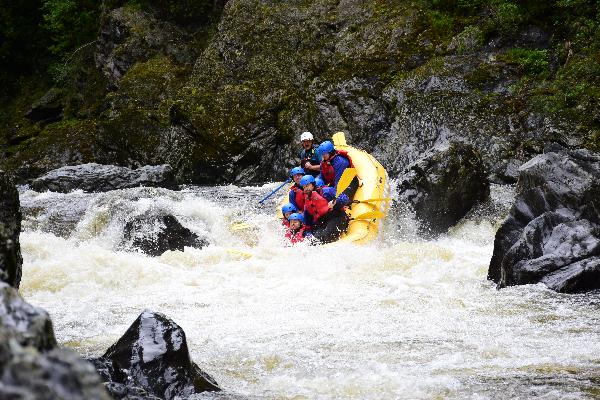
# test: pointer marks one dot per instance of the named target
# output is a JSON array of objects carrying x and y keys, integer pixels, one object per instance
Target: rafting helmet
[
  {"x": 328, "y": 193},
  {"x": 306, "y": 179},
  {"x": 319, "y": 182},
  {"x": 325, "y": 147},
  {"x": 296, "y": 171},
  {"x": 297, "y": 216},
  {"x": 289, "y": 207},
  {"x": 306, "y": 136}
]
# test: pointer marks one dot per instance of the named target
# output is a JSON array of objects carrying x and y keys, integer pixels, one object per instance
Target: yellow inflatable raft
[{"x": 373, "y": 181}]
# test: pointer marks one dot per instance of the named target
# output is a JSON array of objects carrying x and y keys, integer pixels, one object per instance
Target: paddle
[
  {"x": 372, "y": 200},
  {"x": 288, "y": 180},
  {"x": 370, "y": 215},
  {"x": 347, "y": 176}
]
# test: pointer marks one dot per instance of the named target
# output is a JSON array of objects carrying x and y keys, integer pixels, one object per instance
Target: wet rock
[
  {"x": 129, "y": 35},
  {"x": 10, "y": 229},
  {"x": 27, "y": 374},
  {"x": 101, "y": 178},
  {"x": 552, "y": 233},
  {"x": 24, "y": 323},
  {"x": 153, "y": 355},
  {"x": 49, "y": 108},
  {"x": 444, "y": 185},
  {"x": 154, "y": 234}
]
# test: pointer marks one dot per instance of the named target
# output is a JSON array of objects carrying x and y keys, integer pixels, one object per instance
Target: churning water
[{"x": 399, "y": 319}]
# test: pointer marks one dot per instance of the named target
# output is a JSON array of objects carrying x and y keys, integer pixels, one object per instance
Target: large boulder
[
  {"x": 154, "y": 234},
  {"x": 552, "y": 233},
  {"x": 10, "y": 229},
  {"x": 31, "y": 366},
  {"x": 101, "y": 178},
  {"x": 26, "y": 324},
  {"x": 28, "y": 374},
  {"x": 153, "y": 355},
  {"x": 443, "y": 185}
]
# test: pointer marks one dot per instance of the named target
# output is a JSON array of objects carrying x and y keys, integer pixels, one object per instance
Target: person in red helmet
[{"x": 297, "y": 230}]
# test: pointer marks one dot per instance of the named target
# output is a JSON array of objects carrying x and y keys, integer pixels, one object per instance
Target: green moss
[
  {"x": 484, "y": 74},
  {"x": 60, "y": 143},
  {"x": 532, "y": 62}
]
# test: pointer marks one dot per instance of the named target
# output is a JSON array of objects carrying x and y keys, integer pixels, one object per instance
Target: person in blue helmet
[
  {"x": 328, "y": 193},
  {"x": 319, "y": 182},
  {"x": 310, "y": 160},
  {"x": 327, "y": 218},
  {"x": 334, "y": 163},
  {"x": 287, "y": 210},
  {"x": 297, "y": 230},
  {"x": 296, "y": 195}
]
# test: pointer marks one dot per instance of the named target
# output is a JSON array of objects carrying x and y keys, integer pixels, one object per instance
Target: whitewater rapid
[{"x": 402, "y": 318}]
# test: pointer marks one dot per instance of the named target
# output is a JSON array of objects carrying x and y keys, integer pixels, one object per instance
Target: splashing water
[{"x": 403, "y": 318}]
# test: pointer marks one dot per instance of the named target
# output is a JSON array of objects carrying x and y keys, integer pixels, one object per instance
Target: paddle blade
[
  {"x": 371, "y": 215},
  {"x": 345, "y": 180},
  {"x": 240, "y": 226}
]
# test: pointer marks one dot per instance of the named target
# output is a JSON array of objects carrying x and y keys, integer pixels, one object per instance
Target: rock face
[
  {"x": 443, "y": 185},
  {"x": 128, "y": 35},
  {"x": 101, "y": 178},
  {"x": 49, "y": 108},
  {"x": 552, "y": 233},
  {"x": 31, "y": 367},
  {"x": 153, "y": 355},
  {"x": 10, "y": 229},
  {"x": 156, "y": 233}
]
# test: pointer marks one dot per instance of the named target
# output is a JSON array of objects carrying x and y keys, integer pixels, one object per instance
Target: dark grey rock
[
  {"x": 154, "y": 234},
  {"x": 49, "y": 108},
  {"x": 444, "y": 185},
  {"x": 10, "y": 229},
  {"x": 153, "y": 355},
  {"x": 26, "y": 374},
  {"x": 552, "y": 233},
  {"x": 26, "y": 324},
  {"x": 101, "y": 178}
]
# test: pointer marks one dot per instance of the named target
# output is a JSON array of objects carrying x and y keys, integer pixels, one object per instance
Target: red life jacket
[
  {"x": 297, "y": 236},
  {"x": 316, "y": 205},
  {"x": 327, "y": 170},
  {"x": 298, "y": 196},
  {"x": 285, "y": 222}
]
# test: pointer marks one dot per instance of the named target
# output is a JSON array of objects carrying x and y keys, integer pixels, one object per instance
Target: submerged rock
[
  {"x": 552, "y": 233},
  {"x": 101, "y": 178},
  {"x": 156, "y": 233},
  {"x": 10, "y": 229},
  {"x": 153, "y": 355},
  {"x": 443, "y": 185}
]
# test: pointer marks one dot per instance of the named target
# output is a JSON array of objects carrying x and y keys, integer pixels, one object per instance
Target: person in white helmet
[{"x": 310, "y": 160}]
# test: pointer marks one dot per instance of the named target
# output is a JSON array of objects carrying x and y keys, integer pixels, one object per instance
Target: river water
[{"x": 402, "y": 318}]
